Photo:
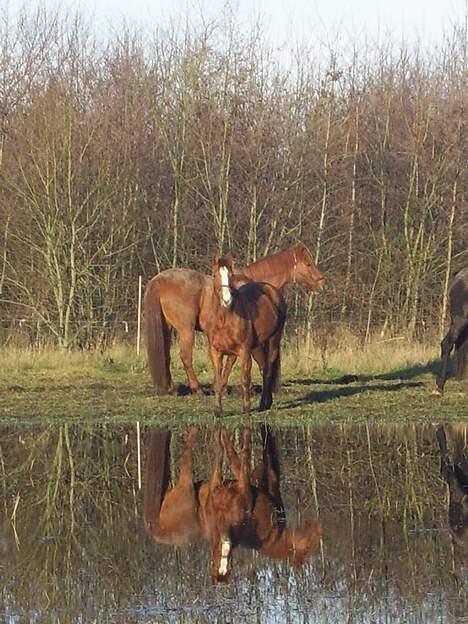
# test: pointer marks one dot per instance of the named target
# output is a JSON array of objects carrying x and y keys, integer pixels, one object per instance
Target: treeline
[{"x": 127, "y": 156}]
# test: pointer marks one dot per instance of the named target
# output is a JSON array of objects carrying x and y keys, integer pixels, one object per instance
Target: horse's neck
[
  {"x": 221, "y": 314},
  {"x": 273, "y": 270},
  {"x": 280, "y": 544},
  {"x": 293, "y": 544}
]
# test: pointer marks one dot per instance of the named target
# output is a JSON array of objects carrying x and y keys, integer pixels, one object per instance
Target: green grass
[{"x": 385, "y": 383}]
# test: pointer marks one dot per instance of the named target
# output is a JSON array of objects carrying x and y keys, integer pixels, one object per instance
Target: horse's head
[
  {"x": 305, "y": 272},
  {"x": 222, "y": 279}
]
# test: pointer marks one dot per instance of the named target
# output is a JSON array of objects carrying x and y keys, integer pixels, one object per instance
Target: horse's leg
[
  {"x": 461, "y": 353},
  {"x": 186, "y": 341},
  {"x": 244, "y": 477},
  {"x": 246, "y": 369},
  {"x": 217, "y": 361},
  {"x": 267, "y": 398},
  {"x": 217, "y": 474},
  {"x": 259, "y": 356},
  {"x": 229, "y": 363},
  {"x": 186, "y": 460},
  {"x": 270, "y": 370},
  {"x": 272, "y": 472},
  {"x": 233, "y": 457},
  {"x": 456, "y": 327}
]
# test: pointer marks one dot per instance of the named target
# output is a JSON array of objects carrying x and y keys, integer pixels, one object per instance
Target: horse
[
  {"x": 180, "y": 299},
  {"x": 265, "y": 528},
  {"x": 246, "y": 321},
  {"x": 225, "y": 504},
  {"x": 454, "y": 471},
  {"x": 245, "y": 511},
  {"x": 457, "y": 334}
]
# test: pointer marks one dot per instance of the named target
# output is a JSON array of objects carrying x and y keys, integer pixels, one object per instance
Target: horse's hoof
[{"x": 437, "y": 392}]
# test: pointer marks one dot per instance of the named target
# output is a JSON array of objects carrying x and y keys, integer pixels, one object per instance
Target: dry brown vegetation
[{"x": 130, "y": 155}]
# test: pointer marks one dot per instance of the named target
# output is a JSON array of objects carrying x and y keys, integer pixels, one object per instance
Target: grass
[{"x": 387, "y": 381}]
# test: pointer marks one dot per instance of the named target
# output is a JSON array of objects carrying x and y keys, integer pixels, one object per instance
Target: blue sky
[{"x": 291, "y": 19}]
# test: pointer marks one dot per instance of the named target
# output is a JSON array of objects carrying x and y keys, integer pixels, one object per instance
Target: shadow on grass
[
  {"x": 403, "y": 374},
  {"x": 321, "y": 396},
  {"x": 207, "y": 390}
]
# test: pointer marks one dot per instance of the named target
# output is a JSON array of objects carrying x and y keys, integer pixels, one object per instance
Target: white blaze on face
[
  {"x": 226, "y": 295},
  {"x": 225, "y": 552}
]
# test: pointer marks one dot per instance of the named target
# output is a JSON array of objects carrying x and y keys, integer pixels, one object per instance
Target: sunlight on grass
[
  {"x": 345, "y": 353},
  {"x": 120, "y": 357},
  {"x": 342, "y": 353}
]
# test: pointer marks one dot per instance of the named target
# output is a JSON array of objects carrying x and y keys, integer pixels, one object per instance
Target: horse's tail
[
  {"x": 157, "y": 477},
  {"x": 158, "y": 338}
]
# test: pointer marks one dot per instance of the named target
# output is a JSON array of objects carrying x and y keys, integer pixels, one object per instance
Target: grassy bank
[{"x": 385, "y": 380}]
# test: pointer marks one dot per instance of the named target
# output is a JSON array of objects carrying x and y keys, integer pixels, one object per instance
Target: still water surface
[{"x": 80, "y": 540}]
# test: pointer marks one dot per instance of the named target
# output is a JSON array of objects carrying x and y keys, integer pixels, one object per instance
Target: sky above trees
[{"x": 287, "y": 21}]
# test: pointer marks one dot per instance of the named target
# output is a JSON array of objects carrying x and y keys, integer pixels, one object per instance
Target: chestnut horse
[
  {"x": 180, "y": 299},
  {"x": 244, "y": 511},
  {"x": 246, "y": 321},
  {"x": 191, "y": 511},
  {"x": 225, "y": 505},
  {"x": 457, "y": 334}
]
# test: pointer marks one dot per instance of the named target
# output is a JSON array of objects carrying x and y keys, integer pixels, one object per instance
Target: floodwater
[{"x": 80, "y": 535}]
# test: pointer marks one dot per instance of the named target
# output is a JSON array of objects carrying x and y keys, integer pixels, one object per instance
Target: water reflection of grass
[
  {"x": 82, "y": 554},
  {"x": 116, "y": 387}
]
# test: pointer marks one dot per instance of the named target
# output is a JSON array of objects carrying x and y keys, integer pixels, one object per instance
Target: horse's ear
[{"x": 228, "y": 262}]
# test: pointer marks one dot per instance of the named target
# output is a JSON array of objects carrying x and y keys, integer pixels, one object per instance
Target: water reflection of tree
[
  {"x": 81, "y": 545},
  {"x": 68, "y": 495}
]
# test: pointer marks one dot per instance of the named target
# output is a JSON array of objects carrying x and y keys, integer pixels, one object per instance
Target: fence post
[{"x": 139, "y": 316}]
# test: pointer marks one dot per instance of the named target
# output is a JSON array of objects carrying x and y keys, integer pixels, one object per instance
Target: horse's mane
[{"x": 266, "y": 266}]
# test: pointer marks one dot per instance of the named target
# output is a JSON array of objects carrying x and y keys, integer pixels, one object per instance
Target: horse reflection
[
  {"x": 246, "y": 510},
  {"x": 454, "y": 470}
]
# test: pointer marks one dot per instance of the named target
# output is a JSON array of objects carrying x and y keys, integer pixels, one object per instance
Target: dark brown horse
[
  {"x": 180, "y": 299},
  {"x": 246, "y": 321},
  {"x": 457, "y": 335},
  {"x": 246, "y": 510},
  {"x": 454, "y": 471}
]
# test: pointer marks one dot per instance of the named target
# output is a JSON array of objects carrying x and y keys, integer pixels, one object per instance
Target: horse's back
[
  {"x": 180, "y": 292},
  {"x": 458, "y": 295},
  {"x": 186, "y": 280}
]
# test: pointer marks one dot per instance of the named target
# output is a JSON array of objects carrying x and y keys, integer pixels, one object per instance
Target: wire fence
[{"x": 324, "y": 331}]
